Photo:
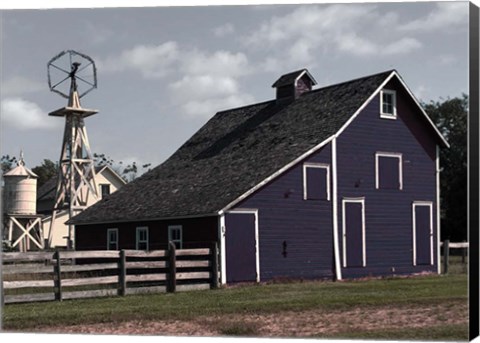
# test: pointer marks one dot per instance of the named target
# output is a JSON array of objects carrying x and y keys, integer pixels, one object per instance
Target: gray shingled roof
[
  {"x": 290, "y": 78},
  {"x": 233, "y": 152}
]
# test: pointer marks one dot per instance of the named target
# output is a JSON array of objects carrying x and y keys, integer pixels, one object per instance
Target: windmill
[{"x": 72, "y": 75}]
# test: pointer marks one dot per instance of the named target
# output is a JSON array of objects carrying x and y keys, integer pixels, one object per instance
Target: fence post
[
  {"x": 2, "y": 293},
  {"x": 464, "y": 253},
  {"x": 446, "y": 251},
  {"x": 57, "y": 276},
  {"x": 122, "y": 274},
  {"x": 172, "y": 269},
  {"x": 214, "y": 260}
]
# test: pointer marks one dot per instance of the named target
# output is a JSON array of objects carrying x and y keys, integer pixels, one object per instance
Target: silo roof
[{"x": 21, "y": 170}]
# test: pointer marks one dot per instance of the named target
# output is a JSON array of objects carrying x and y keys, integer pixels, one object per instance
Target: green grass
[{"x": 263, "y": 298}]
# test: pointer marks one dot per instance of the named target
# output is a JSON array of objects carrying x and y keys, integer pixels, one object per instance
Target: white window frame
[
  {"x": 137, "y": 241},
  {"x": 170, "y": 239},
  {"x": 108, "y": 238},
  {"x": 397, "y": 155},
  {"x": 344, "y": 230},
  {"x": 414, "y": 229},
  {"x": 319, "y": 166},
  {"x": 394, "y": 104}
]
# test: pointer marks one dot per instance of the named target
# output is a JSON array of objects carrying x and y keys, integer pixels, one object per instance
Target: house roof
[
  {"x": 234, "y": 152},
  {"x": 48, "y": 189}
]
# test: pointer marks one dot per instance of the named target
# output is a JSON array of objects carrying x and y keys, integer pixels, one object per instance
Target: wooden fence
[
  {"x": 59, "y": 275},
  {"x": 447, "y": 245}
]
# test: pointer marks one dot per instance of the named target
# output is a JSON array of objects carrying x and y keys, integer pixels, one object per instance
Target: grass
[{"x": 253, "y": 299}]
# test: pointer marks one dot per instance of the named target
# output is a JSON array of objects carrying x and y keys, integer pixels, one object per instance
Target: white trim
[
  {"x": 400, "y": 167},
  {"x": 422, "y": 110},
  {"x": 108, "y": 238},
  {"x": 336, "y": 248},
  {"x": 360, "y": 200},
  {"x": 318, "y": 166},
  {"x": 338, "y": 133},
  {"x": 414, "y": 230},
  {"x": 437, "y": 172},
  {"x": 394, "y": 73},
  {"x": 257, "y": 243},
  {"x": 175, "y": 227},
  {"x": 223, "y": 255},
  {"x": 386, "y": 115},
  {"x": 137, "y": 240},
  {"x": 274, "y": 175}
]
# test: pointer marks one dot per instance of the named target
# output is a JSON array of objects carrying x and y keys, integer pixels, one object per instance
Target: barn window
[
  {"x": 388, "y": 104},
  {"x": 105, "y": 190},
  {"x": 175, "y": 235},
  {"x": 388, "y": 170},
  {"x": 112, "y": 239},
  {"x": 316, "y": 181},
  {"x": 142, "y": 238}
]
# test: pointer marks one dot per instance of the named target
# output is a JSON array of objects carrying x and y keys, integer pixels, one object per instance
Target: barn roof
[{"x": 233, "y": 152}]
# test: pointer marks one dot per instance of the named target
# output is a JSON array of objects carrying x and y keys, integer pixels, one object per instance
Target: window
[
  {"x": 142, "y": 238},
  {"x": 112, "y": 239},
  {"x": 316, "y": 181},
  {"x": 175, "y": 235},
  {"x": 388, "y": 170},
  {"x": 105, "y": 190},
  {"x": 388, "y": 104}
]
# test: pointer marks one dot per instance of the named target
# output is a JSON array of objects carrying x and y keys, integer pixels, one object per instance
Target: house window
[
  {"x": 175, "y": 235},
  {"x": 388, "y": 104},
  {"x": 388, "y": 170},
  {"x": 112, "y": 239},
  {"x": 142, "y": 238},
  {"x": 105, "y": 190},
  {"x": 316, "y": 181}
]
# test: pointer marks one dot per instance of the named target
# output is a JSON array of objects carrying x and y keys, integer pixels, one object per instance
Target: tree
[
  {"x": 7, "y": 162},
  {"x": 450, "y": 116},
  {"x": 128, "y": 173},
  {"x": 45, "y": 171}
]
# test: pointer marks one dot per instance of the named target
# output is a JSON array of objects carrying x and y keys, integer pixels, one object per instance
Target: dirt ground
[{"x": 286, "y": 324}]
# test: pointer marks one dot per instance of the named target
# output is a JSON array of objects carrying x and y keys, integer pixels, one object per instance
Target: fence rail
[
  {"x": 447, "y": 245},
  {"x": 59, "y": 275}
]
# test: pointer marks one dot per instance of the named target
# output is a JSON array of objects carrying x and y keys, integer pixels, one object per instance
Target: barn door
[
  {"x": 422, "y": 233},
  {"x": 353, "y": 219},
  {"x": 241, "y": 246}
]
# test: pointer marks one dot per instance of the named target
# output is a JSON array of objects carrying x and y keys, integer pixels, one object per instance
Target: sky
[{"x": 164, "y": 71}]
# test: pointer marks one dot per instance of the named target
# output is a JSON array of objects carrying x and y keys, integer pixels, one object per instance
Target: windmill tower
[{"x": 72, "y": 75}]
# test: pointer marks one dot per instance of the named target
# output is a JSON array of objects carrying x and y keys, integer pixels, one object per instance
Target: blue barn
[{"x": 337, "y": 182}]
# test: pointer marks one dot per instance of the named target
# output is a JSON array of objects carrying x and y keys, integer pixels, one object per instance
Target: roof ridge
[{"x": 352, "y": 80}]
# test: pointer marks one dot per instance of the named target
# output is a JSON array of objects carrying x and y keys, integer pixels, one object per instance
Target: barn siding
[
  {"x": 388, "y": 213},
  {"x": 196, "y": 232},
  {"x": 305, "y": 225}
]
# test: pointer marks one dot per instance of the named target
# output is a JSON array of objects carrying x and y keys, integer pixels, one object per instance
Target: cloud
[
  {"x": 25, "y": 115},
  {"x": 217, "y": 63},
  {"x": 292, "y": 40},
  {"x": 207, "y": 81},
  {"x": 444, "y": 17},
  {"x": 224, "y": 30},
  {"x": 21, "y": 85},
  {"x": 208, "y": 107},
  {"x": 152, "y": 61}
]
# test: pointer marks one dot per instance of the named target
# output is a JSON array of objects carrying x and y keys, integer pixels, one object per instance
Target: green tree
[
  {"x": 7, "y": 162},
  {"x": 128, "y": 173},
  {"x": 45, "y": 171},
  {"x": 450, "y": 116}
]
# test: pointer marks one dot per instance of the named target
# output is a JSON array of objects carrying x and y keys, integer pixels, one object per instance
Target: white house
[{"x": 108, "y": 182}]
